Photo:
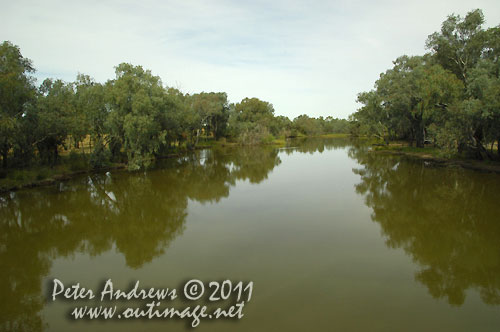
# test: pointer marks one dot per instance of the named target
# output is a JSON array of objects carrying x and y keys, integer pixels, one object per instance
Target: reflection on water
[
  {"x": 138, "y": 213},
  {"x": 447, "y": 220}
]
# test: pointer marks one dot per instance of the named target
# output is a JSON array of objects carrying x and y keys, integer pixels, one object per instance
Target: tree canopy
[
  {"x": 130, "y": 119},
  {"x": 449, "y": 96}
]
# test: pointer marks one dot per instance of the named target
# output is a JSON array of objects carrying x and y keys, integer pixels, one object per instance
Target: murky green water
[{"x": 334, "y": 238}]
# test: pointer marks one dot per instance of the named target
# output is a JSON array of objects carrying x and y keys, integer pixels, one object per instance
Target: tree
[
  {"x": 250, "y": 121},
  {"x": 174, "y": 119},
  {"x": 55, "y": 117},
  {"x": 17, "y": 94},
  {"x": 307, "y": 126},
  {"x": 459, "y": 45},
  {"x": 92, "y": 115},
  {"x": 137, "y": 101},
  {"x": 212, "y": 111},
  {"x": 282, "y": 126},
  {"x": 482, "y": 108},
  {"x": 408, "y": 98},
  {"x": 254, "y": 110},
  {"x": 371, "y": 116},
  {"x": 476, "y": 120},
  {"x": 335, "y": 125}
]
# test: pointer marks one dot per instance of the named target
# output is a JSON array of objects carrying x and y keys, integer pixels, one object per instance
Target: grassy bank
[
  {"x": 75, "y": 162},
  {"x": 34, "y": 176},
  {"x": 437, "y": 156}
]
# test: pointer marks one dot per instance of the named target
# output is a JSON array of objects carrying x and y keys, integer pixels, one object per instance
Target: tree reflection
[
  {"x": 317, "y": 144},
  {"x": 445, "y": 219},
  {"x": 139, "y": 214}
]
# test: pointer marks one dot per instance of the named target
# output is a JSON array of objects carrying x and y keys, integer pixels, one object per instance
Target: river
[{"x": 334, "y": 238}]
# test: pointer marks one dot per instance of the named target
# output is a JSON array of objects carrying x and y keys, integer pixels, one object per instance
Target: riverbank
[
  {"x": 434, "y": 155},
  {"x": 70, "y": 167},
  {"x": 44, "y": 176}
]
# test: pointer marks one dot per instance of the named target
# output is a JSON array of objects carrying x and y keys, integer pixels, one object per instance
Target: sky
[{"x": 304, "y": 57}]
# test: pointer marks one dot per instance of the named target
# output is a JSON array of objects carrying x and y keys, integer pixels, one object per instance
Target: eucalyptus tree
[
  {"x": 250, "y": 121},
  {"x": 282, "y": 126},
  {"x": 136, "y": 100},
  {"x": 371, "y": 118},
  {"x": 481, "y": 110},
  {"x": 408, "y": 98},
  {"x": 307, "y": 126},
  {"x": 471, "y": 52},
  {"x": 92, "y": 112},
  {"x": 460, "y": 43},
  {"x": 17, "y": 96},
  {"x": 174, "y": 121},
  {"x": 55, "y": 118},
  {"x": 211, "y": 109},
  {"x": 492, "y": 54}
]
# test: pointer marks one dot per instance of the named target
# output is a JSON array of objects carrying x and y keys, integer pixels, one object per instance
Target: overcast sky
[{"x": 309, "y": 57}]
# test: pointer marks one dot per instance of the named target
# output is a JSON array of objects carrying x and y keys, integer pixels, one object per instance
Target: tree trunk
[
  {"x": 420, "y": 138},
  {"x": 197, "y": 137},
  {"x": 4, "y": 158},
  {"x": 420, "y": 135},
  {"x": 478, "y": 149},
  {"x": 486, "y": 152},
  {"x": 55, "y": 155}
]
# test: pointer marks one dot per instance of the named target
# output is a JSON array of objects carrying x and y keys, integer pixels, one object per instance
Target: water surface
[{"x": 333, "y": 236}]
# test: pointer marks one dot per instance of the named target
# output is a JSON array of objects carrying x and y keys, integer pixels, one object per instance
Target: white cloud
[{"x": 303, "y": 56}]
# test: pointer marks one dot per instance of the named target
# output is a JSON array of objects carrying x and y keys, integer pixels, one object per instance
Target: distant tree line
[
  {"x": 449, "y": 96},
  {"x": 133, "y": 118}
]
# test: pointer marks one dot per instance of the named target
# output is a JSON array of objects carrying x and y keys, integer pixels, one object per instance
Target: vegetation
[
  {"x": 449, "y": 97},
  {"x": 131, "y": 119}
]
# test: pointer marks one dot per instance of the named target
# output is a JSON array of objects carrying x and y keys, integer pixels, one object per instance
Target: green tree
[
  {"x": 307, "y": 126},
  {"x": 250, "y": 119},
  {"x": 409, "y": 97},
  {"x": 460, "y": 43},
  {"x": 17, "y": 93},
  {"x": 481, "y": 111},
  {"x": 212, "y": 112},
  {"x": 55, "y": 116},
  {"x": 475, "y": 122},
  {"x": 174, "y": 120},
  {"x": 371, "y": 118},
  {"x": 137, "y": 100},
  {"x": 282, "y": 126},
  {"x": 92, "y": 114}
]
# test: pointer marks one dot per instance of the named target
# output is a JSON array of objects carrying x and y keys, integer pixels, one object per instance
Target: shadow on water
[
  {"x": 446, "y": 220},
  {"x": 139, "y": 214}
]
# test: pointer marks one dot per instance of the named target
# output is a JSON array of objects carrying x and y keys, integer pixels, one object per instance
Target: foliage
[
  {"x": 136, "y": 111},
  {"x": 56, "y": 117},
  {"x": 17, "y": 94},
  {"x": 130, "y": 119},
  {"x": 449, "y": 97}
]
